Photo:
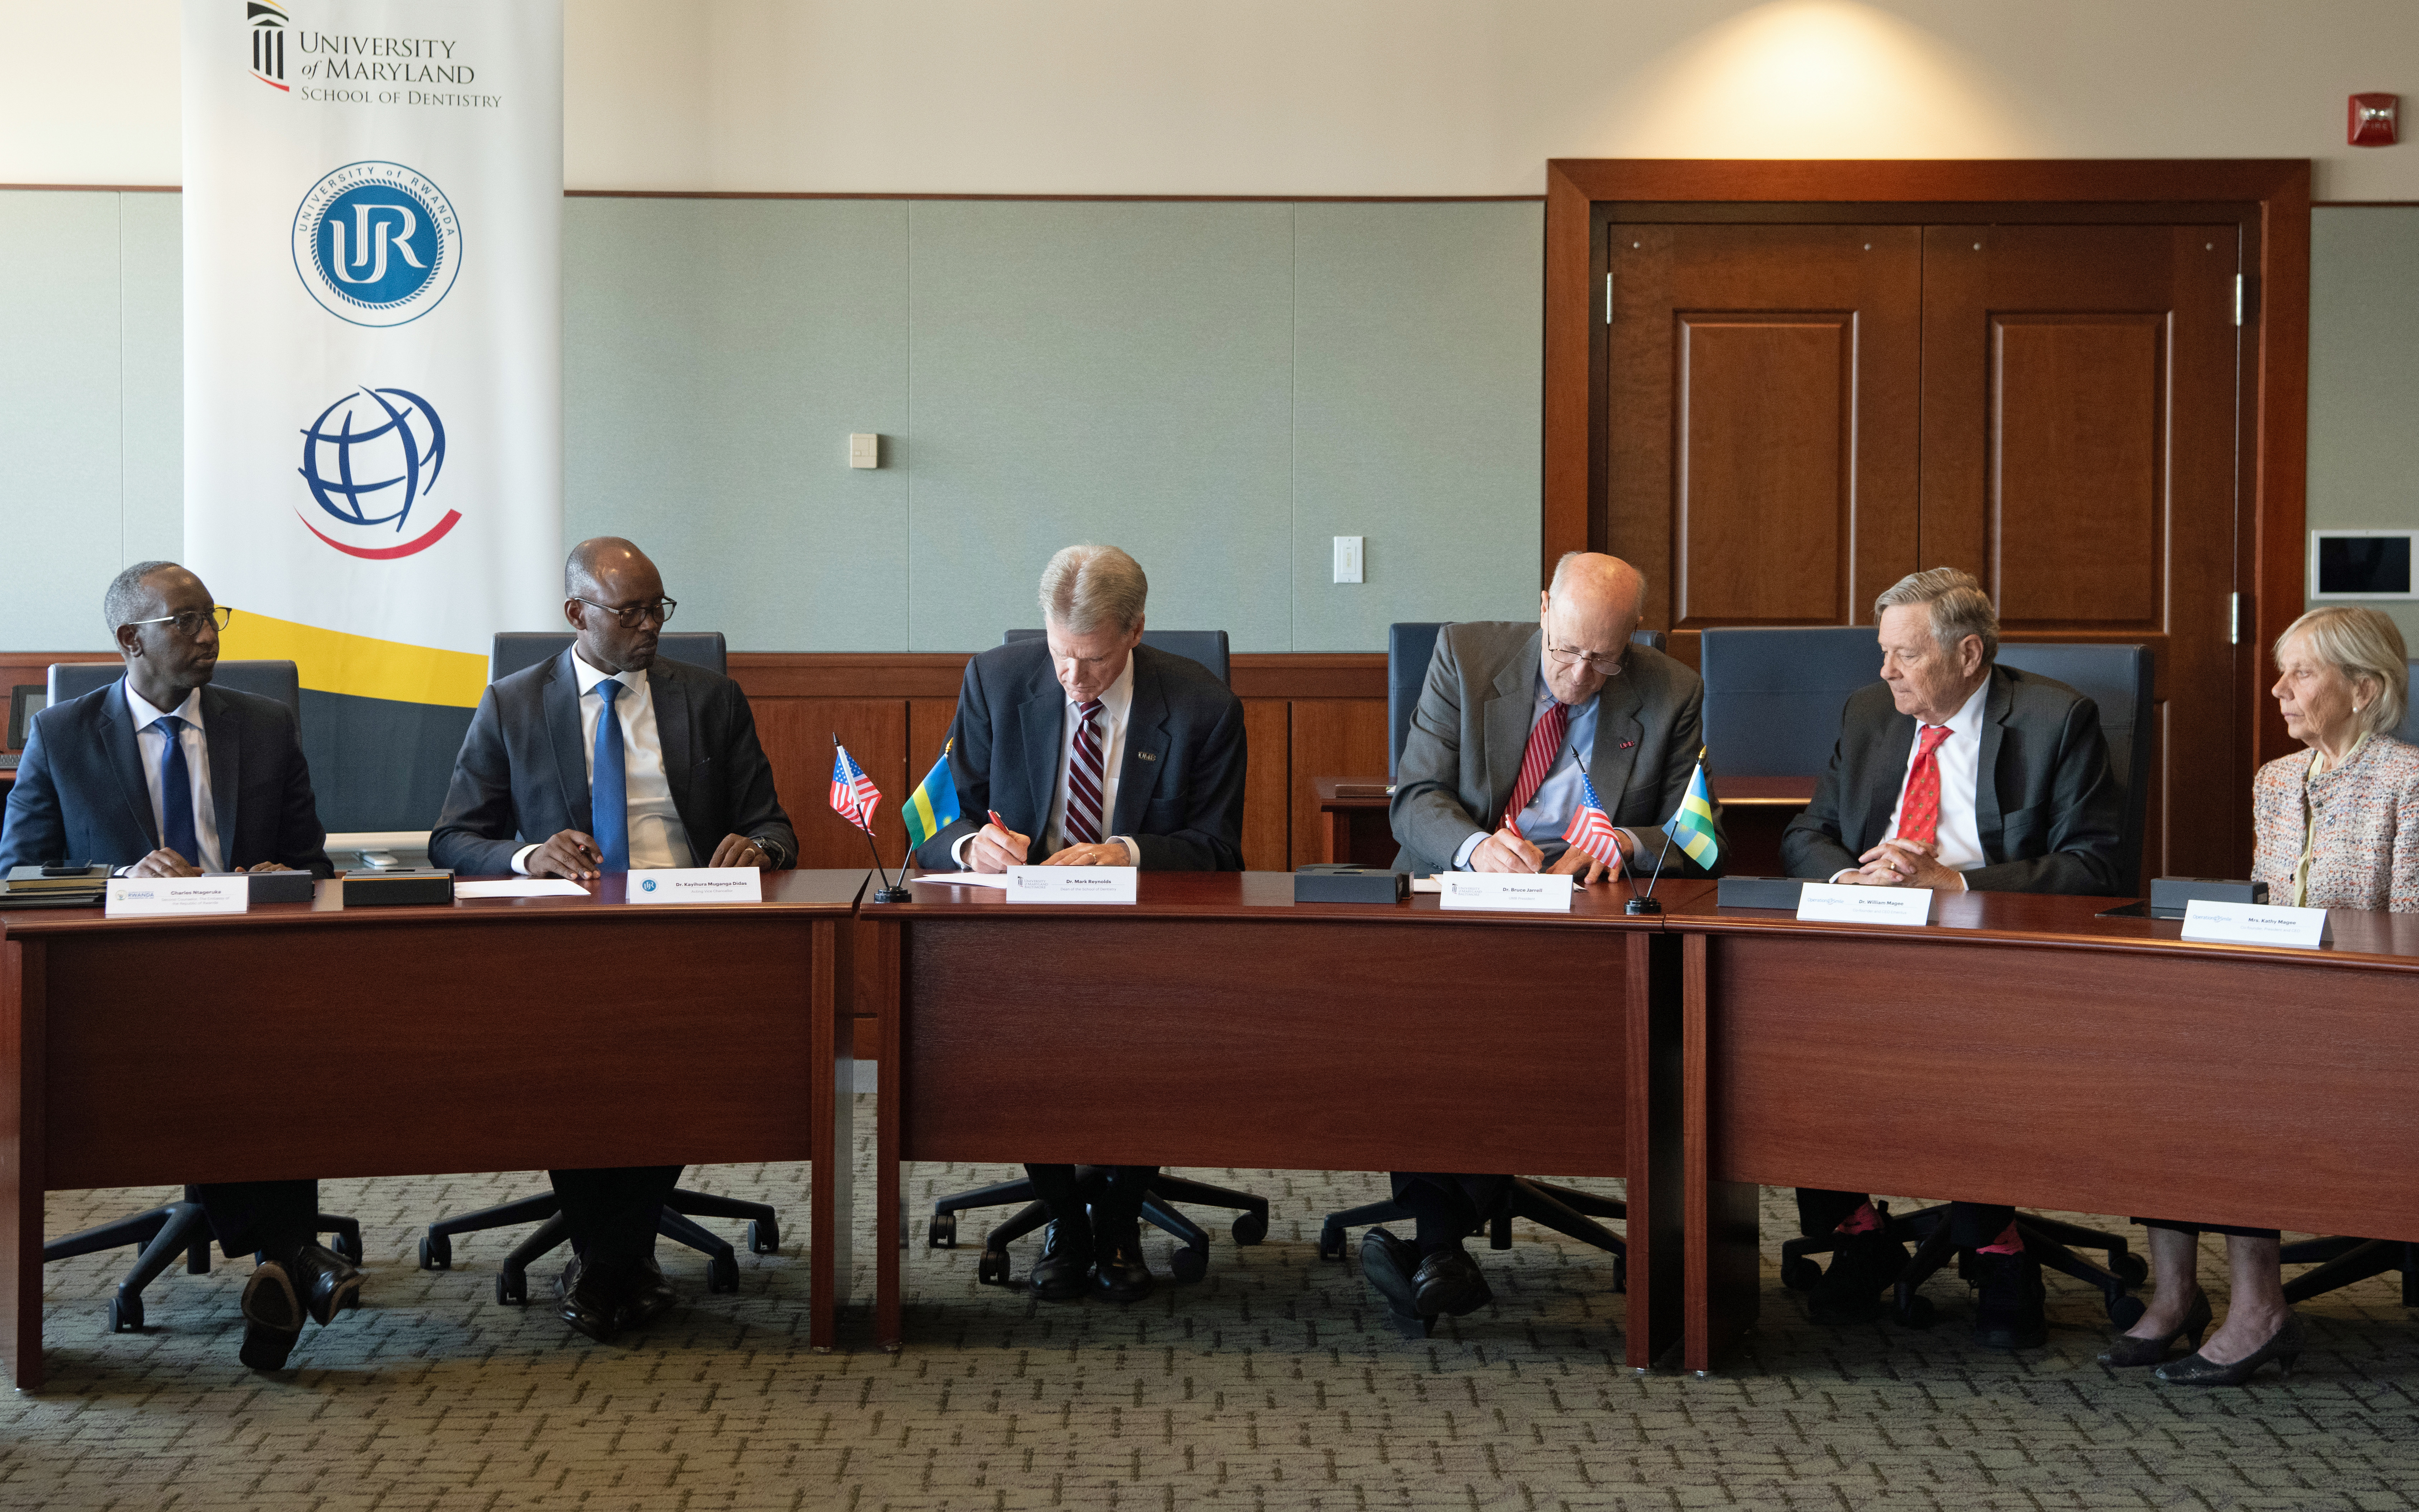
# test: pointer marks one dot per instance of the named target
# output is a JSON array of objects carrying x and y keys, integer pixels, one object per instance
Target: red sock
[
  {"x": 2010, "y": 1243},
  {"x": 1863, "y": 1221}
]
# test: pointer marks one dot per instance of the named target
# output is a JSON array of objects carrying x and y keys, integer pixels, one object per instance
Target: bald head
[
  {"x": 605, "y": 580},
  {"x": 1588, "y": 613},
  {"x": 584, "y": 570}
]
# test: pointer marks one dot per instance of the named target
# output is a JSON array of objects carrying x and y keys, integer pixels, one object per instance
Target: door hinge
[
  {"x": 1607, "y": 296},
  {"x": 2234, "y": 619},
  {"x": 2238, "y": 298}
]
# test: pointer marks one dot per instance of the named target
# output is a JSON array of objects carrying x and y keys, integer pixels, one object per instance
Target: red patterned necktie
[
  {"x": 1084, "y": 778},
  {"x": 1545, "y": 743},
  {"x": 1918, "y": 812}
]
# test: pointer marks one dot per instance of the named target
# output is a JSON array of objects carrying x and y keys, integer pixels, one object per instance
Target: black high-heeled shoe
[
  {"x": 2127, "y": 1349},
  {"x": 2284, "y": 1347}
]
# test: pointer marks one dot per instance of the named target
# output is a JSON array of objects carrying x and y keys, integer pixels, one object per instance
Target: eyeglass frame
[
  {"x": 1565, "y": 656},
  {"x": 219, "y": 616},
  {"x": 667, "y": 606}
]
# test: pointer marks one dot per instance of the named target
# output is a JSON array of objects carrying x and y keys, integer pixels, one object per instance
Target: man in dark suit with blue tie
[
  {"x": 1087, "y": 748},
  {"x": 603, "y": 759},
  {"x": 162, "y": 775}
]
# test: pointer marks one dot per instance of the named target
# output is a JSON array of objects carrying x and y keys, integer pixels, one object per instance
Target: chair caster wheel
[
  {"x": 2131, "y": 1269},
  {"x": 126, "y": 1314},
  {"x": 1188, "y": 1264},
  {"x": 1918, "y": 1313},
  {"x": 763, "y": 1236},
  {"x": 1331, "y": 1241},
  {"x": 436, "y": 1252},
  {"x": 721, "y": 1272},
  {"x": 1621, "y": 1273},
  {"x": 512, "y": 1290},
  {"x": 1251, "y": 1228},
  {"x": 2124, "y": 1311},
  {"x": 1799, "y": 1274},
  {"x": 348, "y": 1245},
  {"x": 992, "y": 1269},
  {"x": 943, "y": 1232}
]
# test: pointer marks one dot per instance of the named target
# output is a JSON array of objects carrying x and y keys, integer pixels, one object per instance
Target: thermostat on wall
[{"x": 2361, "y": 564}]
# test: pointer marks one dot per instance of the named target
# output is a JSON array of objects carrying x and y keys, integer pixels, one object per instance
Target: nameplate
[
  {"x": 1519, "y": 892},
  {"x": 165, "y": 896},
  {"x": 696, "y": 885},
  {"x": 1829, "y": 902},
  {"x": 2255, "y": 924},
  {"x": 1071, "y": 884}
]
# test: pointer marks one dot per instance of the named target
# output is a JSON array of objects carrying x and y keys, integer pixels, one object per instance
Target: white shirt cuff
[
  {"x": 1843, "y": 872},
  {"x": 958, "y": 850},
  {"x": 1133, "y": 852},
  {"x": 1461, "y": 857},
  {"x": 520, "y": 859}
]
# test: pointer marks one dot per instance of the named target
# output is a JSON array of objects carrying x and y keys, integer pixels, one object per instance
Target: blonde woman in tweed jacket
[{"x": 2337, "y": 826}]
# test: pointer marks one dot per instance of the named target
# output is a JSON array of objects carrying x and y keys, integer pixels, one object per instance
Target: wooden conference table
[
  {"x": 493, "y": 1035},
  {"x": 1216, "y": 1021}
]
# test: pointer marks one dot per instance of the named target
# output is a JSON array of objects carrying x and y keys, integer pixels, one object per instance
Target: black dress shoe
[
  {"x": 1388, "y": 1264},
  {"x": 2285, "y": 1346},
  {"x": 1862, "y": 1265},
  {"x": 1450, "y": 1281},
  {"x": 1118, "y": 1270},
  {"x": 649, "y": 1297},
  {"x": 2126, "y": 1349},
  {"x": 326, "y": 1281},
  {"x": 589, "y": 1298},
  {"x": 272, "y": 1318},
  {"x": 2008, "y": 1314},
  {"x": 1065, "y": 1268}
]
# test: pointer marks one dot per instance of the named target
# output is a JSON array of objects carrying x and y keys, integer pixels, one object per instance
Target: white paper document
[
  {"x": 521, "y": 888},
  {"x": 964, "y": 879},
  {"x": 1071, "y": 884},
  {"x": 1525, "y": 892},
  {"x": 696, "y": 885},
  {"x": 1829, "y": 903},
  {"x": 2255, "y": 924},
  {"x": 166, "y": 897}
]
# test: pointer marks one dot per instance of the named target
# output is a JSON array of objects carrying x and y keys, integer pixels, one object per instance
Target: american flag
[
  {"x": 1590, "y": 831},
  {"x": 853, "y": 795}
]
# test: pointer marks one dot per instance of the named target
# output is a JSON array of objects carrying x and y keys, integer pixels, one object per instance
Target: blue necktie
[
  {"x": 608, "y": 788},
  {"x": 177, "y": 795}
]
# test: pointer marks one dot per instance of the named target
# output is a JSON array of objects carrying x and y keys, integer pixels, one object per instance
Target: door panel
[{"x": 1764, "y": 530}]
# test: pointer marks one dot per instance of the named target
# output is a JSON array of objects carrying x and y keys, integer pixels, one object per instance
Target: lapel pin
[
  {"x": 1146, "y": 755},
  {"x": 1626, "y": 744}
]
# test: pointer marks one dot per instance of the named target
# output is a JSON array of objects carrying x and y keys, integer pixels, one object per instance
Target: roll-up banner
[{"x": 373, "y": 218}]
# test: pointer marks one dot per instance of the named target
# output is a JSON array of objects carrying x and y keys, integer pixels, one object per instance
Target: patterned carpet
[{"x": 1273, "y": 1383}]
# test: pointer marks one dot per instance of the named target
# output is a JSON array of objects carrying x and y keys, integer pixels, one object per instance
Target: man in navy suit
[
  {"x": 161, "y": 774},
  {"x": 1093, "y": 749},
  {"x": 603, "y": 759}
]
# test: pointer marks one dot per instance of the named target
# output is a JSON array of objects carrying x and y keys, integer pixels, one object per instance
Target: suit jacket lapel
[
  {"x": 668, "y": 692},
  {"x": 1147, "y": 745},
  {"x": 126, "y": 760},
  {"x": 1891, "y": 750},
  {"x": 1510, "y": 709},
  {"x": 558, "y": 697},
  {"x": 222, "y": 736},
  {"x": 1618, "y": 736},
  {"x": 1043, "y": 723},
  {"x": 1995, "y": 708}
]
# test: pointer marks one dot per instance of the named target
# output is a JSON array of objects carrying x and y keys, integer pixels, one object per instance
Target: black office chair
[
  {"x": 1190, "y": 1261},
  {"x": 512, "y": 651},
  {"x": 175, "y": 1229},
  {"x": 1410, "y": 646},
  {"x": 1773, "y": 696},
  {"x": 2119, "y": 679}
]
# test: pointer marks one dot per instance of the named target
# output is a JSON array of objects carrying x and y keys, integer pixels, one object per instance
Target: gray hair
[
  {"x": 2359, "y": 642},
  {"x": 1088, "y": 588},
  {"x": 1959, "y": 607},
  {"x": 127, "y": 598}
]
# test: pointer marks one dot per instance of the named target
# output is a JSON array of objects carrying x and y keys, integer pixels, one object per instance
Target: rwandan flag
[
  {"x": 933, "y": 806},
  {"x": 1693, "y": 826}
]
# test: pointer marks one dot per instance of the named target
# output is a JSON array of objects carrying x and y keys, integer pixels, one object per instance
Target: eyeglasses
[
  {"x": 634, "y": 615},
  {"x": 1565, "y": 656},
  {"x": 189, "y": 623}
]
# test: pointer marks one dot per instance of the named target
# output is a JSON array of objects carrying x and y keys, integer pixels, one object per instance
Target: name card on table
[
  {"x": 1829, "y": 902},
  {"x": 1071, "y": 884},
  {"x": 696, "y": 885},
  {"x": 2255, "y": 924},
  {"x": 169, "y": 897},
  {"x": 1522, "y": 892}
]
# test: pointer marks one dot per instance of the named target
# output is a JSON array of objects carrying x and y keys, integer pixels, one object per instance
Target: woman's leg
[
  {"x": 2258, "y": 1309},
  {"x": 2174, "y": 1261}
]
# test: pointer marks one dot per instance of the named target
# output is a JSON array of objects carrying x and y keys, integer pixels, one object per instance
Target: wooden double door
[{"x": 1799, "y": 414}]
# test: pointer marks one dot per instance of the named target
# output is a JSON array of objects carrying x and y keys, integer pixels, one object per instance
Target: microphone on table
[{"x": 1644, "y": 902}]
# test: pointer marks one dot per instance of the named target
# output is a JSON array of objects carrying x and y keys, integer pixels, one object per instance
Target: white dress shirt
[
  {"x": 1557, "y": 798},
  {"x": 657, "y": 838},
  {"x": 1958, "y": 842},
  {"x": 1116, "y": 702},
  {"x": 152, "y": 739}
]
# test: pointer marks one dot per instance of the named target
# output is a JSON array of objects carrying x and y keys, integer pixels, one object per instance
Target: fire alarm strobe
[{"x": 2373, "y": 118}]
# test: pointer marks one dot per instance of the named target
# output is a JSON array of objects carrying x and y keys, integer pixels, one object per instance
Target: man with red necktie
[
  {"x": 1087, "y": 748},
  {"x": 1515, "y": 722},
  {"x": 1952, "y": 772}
]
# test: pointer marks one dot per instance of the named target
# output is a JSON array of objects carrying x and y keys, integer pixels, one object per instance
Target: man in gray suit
[
  {"x": 1514, "y": 717},
  {"x": 1956, "y": 774}
]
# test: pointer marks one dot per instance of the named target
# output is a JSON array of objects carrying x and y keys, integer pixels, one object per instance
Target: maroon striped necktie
[
  {"x": 1545, "y": 743},
  {"x": 1084, "y": 771}
]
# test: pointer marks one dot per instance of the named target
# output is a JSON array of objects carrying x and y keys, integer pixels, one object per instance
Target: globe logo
[
  {"x": 647, "y": 884},
  {"x": 367, "y": 459},
  {"x": 376, "y": 244}
]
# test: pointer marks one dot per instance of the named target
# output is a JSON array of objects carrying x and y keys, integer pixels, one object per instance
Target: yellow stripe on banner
[{"x": 331, "y": 661}]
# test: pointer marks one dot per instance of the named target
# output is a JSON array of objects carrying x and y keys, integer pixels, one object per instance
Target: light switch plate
[
  {"x": 865, "y": 449},
  {"x": 1348, "y": 558}
]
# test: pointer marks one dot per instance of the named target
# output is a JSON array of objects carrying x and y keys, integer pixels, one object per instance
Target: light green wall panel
[
  {"x": 1102, "y": 371},
  {"x": 717, "y": 356},
  {"x": 151, "y": 338},
  {"x": 2364, "y": 375},
  {"x": 1416, "y": 420}
]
